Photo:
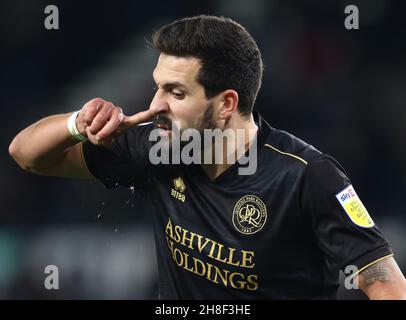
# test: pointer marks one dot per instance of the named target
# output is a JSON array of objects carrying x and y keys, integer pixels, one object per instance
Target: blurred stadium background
[{"x": 343, "y": 91}]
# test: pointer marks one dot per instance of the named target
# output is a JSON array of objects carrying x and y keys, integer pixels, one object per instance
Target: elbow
[{"x": 14, "y": 151}]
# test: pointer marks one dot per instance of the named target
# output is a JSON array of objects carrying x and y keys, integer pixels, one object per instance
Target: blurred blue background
[{"x": 344, "y": 91}]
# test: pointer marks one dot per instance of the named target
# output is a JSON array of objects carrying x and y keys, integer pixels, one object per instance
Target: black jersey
[{"x": 283, "y": 232}]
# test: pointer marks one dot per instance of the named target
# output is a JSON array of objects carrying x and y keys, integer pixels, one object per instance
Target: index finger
[{"x": 136, "y": 119}]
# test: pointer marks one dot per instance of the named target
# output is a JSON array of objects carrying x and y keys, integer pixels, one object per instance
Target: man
[{"x": 281, "y": 232}]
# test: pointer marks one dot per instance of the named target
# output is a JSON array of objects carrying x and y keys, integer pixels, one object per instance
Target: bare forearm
[
  {"x": 43, "y": 143},
  {"x": 47, "y": 147}
]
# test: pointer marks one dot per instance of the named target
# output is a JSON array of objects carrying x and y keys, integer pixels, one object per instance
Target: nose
[{"x": 158, "y": 104}]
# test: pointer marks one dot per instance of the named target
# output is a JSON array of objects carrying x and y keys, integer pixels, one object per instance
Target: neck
[{"x": 238, "y": 135}]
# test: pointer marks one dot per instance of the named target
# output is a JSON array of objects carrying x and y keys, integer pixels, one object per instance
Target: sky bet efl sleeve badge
[{"x": 353, "y": 206}]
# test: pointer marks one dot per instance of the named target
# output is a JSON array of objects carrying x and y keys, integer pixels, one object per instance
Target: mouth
[
  {"x": 164, "y": 125},
  {"x": 164, "y": 130}
]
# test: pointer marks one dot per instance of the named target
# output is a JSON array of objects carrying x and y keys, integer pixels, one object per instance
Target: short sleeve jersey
[{"x": 283, "y": 232}]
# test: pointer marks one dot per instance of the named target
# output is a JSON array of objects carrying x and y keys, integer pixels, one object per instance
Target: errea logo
[{"x": 179, "y": 188}]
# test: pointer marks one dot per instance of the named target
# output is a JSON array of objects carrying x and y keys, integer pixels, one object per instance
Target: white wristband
[{"x": 73, "y": 129}]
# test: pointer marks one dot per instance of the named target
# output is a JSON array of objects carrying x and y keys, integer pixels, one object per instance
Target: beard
[
  {"x": 197, "y": 137},
  {"x": 206, "y": 121}
]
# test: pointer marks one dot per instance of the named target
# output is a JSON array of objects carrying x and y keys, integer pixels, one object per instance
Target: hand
[{"x": 101, "y": 122}]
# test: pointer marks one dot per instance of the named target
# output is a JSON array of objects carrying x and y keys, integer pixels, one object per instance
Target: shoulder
[
  {"x": 291, "y": 154},
  {"x": 287, "y": 149}
]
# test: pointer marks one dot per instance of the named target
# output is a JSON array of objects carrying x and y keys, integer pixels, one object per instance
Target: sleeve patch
[{"x": 354, "y": 207}]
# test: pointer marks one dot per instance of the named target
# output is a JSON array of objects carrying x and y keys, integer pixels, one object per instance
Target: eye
[{"x": 177, "y": 94}]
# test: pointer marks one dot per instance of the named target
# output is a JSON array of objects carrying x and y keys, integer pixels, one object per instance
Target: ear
[{"x": 229, "y": 100}]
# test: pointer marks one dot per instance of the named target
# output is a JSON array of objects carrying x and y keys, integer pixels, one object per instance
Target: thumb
[{"x": 136, "y": 119}]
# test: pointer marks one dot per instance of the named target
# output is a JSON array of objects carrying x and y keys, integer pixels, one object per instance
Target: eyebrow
[{"x": 172, "y": 85}]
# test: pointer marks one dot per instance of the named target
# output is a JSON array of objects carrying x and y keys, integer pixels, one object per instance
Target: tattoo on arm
[
  {"x": 383, "y": 280},
  {"x": 378, "y": 272}
]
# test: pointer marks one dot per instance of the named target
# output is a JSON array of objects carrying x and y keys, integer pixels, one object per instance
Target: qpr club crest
[{"x": 249, "y": 214}]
